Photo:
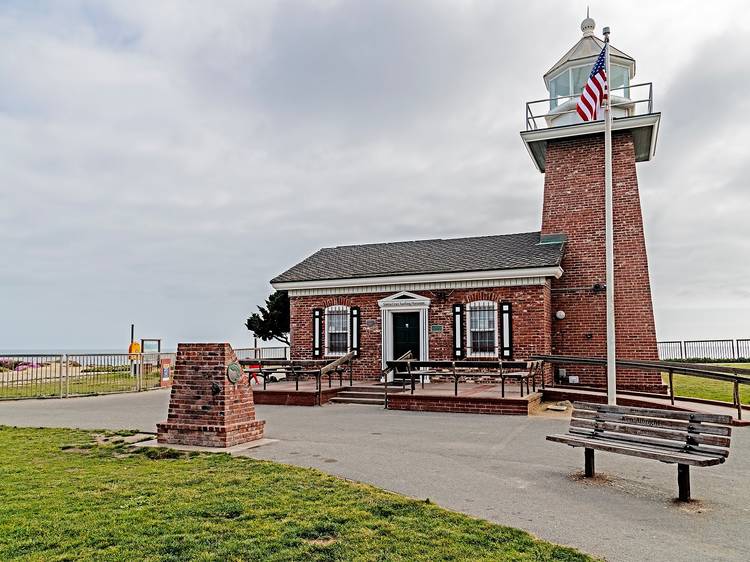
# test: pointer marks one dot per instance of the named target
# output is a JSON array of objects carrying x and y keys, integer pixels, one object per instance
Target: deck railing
[
  {"x": 734, "y": 375},
  {"x": 303, "y": 369},
  {"x": 632, "y": 100}
]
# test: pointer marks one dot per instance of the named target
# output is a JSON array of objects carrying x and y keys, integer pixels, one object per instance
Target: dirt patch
[
  {"x": 321, "y": 542},
  {"x": 692, "y": 506},
  {"x": 560, "y": 409},
  {"x": 599, "y": 478}
]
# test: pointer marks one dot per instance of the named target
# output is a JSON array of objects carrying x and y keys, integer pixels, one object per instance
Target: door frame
[{"x": 403, "y": 302}]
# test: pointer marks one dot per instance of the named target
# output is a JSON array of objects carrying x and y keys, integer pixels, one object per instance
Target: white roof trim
[
  {"x": 555, "y": 272},
  {"x": 398, "y": 300}
]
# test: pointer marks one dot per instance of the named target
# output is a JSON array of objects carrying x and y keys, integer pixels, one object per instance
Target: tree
[{"x": 273, "y": 321}]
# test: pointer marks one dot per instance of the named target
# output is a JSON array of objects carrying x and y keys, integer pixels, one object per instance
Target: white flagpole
[{"x": 609, "y": 235}]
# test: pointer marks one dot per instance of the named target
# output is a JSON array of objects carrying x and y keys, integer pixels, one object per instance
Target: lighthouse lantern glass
[{"x": 571, "y": 81}]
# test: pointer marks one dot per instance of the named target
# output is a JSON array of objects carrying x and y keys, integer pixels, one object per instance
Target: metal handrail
[
  {"x": 406, "y": 356},
  {"x": 531, "y": 119},
  {"x": 317, "y": 367},
  {"x": 737, "y": 377}
]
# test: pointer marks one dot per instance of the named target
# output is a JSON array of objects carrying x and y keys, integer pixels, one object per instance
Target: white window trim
[
  {"x": 469, "y": 307},
  {"x": 337, "y": 308}
]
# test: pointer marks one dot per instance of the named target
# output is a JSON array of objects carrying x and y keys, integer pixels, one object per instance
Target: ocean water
[{"x": 67, "y": 351}]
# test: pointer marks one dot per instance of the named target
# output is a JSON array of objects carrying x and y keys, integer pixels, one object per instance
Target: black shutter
[
  {"x": 458, "y": 331},
  {"x": 506, "y": 330},
  {"x": 354, "y": 326},
  {"x": 317, "y": 330}
]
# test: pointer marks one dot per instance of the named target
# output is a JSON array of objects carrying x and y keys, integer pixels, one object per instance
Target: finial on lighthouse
[{"x": 588, "y": 25}]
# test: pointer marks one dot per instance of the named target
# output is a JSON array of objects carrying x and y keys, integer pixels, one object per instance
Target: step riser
[
  {"x": 368, "y": 401},
  {"x": 348, "y": 394}
]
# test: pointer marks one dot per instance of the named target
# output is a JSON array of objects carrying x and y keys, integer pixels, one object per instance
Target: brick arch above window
[
  {"x": 336, "y": 301},
  {"x": 482, "y": 295}
]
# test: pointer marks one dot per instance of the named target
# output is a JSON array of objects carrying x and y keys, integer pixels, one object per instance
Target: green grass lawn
[
  {"x": 64, "y": 498},
  {"x": 87, "y": 383},
  {"x": 694, "y": 387}
]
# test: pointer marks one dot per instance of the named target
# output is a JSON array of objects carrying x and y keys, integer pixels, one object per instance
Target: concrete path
[{"x": 495, "y": 467}]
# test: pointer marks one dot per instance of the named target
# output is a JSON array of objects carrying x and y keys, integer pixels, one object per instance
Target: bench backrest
[{"x": 690, "y": 431}]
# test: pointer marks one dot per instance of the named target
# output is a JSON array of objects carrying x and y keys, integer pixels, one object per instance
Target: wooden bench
[
  {"x": 532, "y": 369},
  {"x": 683, "y": 438}
]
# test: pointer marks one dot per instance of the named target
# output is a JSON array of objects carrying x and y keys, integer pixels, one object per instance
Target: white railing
[
  {"x": 245, "y": 353},
  {"x": 628, "y": 101}
]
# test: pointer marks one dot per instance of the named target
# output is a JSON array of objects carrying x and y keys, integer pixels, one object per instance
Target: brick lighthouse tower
[{"x": 570, "y": 154}]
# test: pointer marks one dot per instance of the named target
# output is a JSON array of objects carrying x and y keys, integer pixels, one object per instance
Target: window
[
  {"x": 621, "y": 80},
  {"x": 559, "y": 86},
  {"x": 482, "y": 328},
  {"x": 571, "y": 81},
  {"x": 337, "y": 330}
]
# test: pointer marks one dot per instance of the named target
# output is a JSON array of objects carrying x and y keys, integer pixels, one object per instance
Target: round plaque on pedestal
[{"x": 234, "y": 372}]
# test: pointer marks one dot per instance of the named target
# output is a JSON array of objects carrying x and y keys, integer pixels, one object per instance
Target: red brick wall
[
  {"x": 463, "y": 404},
  {"x": 574, "y": 205},
  {"x": 530, "y": 322}
]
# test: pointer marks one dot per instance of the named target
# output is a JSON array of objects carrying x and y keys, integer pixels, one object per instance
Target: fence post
[
  {"x": 737, "y": 400},
  {"x": 671, "y": 386},
  {"x": 67, "y": 376},
  {"x": 63, "y": 361},
  {"x": 139, "y": 379}
]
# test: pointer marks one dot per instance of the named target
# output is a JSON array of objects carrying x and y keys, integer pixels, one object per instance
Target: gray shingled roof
[{"x": 480, "y": 253}]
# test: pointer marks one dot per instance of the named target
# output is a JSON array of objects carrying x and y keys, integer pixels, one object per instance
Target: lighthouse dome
[{"x": 567, "y": 77}]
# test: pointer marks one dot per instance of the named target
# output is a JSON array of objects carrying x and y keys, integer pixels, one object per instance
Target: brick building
[{"x": 507, "y": 296}]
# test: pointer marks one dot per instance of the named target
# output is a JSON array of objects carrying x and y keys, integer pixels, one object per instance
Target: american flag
[{"x": 595, "y": 91}]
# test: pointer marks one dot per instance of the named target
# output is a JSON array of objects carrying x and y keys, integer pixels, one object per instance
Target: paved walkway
[{"x": 495, "y": 467}]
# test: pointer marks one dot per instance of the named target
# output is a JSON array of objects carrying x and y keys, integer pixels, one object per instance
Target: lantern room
[
  {"x": 555, "y": 116},
  {"x": 567, "y": 78}
]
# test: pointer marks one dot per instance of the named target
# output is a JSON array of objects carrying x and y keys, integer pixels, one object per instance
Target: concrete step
[
  {"x": 366, "y": 388},
  {"x": 358, "y": 394},
  {"x": 344, "y": 400}
]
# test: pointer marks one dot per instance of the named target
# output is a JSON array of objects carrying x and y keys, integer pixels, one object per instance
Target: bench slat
[
  {"x": 636, "y": 451},
  {"x": 685, "y": 425},
  {"x": 648, "y": 442},
  {"x": 658, "y": 432},
  {"x": 656, "y": 413}
]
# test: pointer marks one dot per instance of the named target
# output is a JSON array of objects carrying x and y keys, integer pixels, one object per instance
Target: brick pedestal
[{"x": 207, "y": 409}]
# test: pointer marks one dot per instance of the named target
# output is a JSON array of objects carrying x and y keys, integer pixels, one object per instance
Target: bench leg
[
  {"x": 683, "y": 482},
  {"x": 588, "y": 456}
]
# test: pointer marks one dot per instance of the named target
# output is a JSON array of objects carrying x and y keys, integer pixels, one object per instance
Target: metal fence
[
  {"x": 627, "y": 101},
  {"x": 243, "y": 354},
  {"x": 715, "y": 350},
  {"x": 59, "y": 376}
]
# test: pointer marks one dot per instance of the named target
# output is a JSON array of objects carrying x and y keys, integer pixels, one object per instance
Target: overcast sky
[{"x": 161, "y": 161}]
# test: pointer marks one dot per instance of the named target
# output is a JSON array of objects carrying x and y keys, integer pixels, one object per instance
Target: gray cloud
[{"x": 159, "y": 162}]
